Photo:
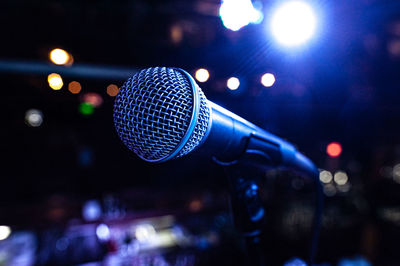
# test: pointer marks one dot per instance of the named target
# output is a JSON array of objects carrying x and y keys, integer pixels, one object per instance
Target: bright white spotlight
[
  {"x": 233, "y": 83},
  {"x": 235, "y": 14},
  {"x": 5, "y": 232},
  {"x": 293, "y": 23}
]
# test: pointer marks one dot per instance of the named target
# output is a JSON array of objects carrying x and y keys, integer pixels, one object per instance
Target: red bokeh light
[{"x": 334, "y": 149}]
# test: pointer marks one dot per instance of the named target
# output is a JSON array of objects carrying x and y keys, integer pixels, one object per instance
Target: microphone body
[{"x": 232, "y": 138}]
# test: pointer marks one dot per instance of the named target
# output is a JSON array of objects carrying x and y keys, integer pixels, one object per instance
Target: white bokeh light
[
  {"x": 293, "y": 23},
  {"x": 235, "y": 14},
  {"x": 233, "y": 83},
  {"x": 33, "y": 117},
  {"x": 5, "y": 232}
]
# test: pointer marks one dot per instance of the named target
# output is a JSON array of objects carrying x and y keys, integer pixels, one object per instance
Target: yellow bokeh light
[
  {"x": 59, "y": 56},
  {"x": 112, "y": 90},
  {"x": 233, "y": 83},
  {"x": 202, "y": 75},
  {"x": 267, "y": 80},
  {"x": 74, "y": 87},
  {"x": 55, "y": 81}
]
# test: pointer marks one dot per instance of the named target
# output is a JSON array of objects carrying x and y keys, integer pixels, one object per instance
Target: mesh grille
[
  {"x": 153, "y": 110},
  {"x": 200, "y": 128}
]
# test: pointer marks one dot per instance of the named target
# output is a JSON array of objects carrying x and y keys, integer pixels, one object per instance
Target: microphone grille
[{"x": 160, "y": 114}]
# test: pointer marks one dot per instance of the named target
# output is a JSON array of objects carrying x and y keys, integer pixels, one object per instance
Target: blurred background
[{"x": 322, "y": 74}]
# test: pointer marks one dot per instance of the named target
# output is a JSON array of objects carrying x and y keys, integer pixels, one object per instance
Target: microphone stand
[{"x": 247, "y": 211}]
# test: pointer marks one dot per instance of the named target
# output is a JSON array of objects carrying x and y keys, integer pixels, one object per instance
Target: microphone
[{"x": 161, "y": 113}]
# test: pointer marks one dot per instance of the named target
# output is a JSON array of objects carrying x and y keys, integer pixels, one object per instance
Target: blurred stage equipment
[
  {"x": 161, "y": 114},
  {"x": 77, "y": 70}
]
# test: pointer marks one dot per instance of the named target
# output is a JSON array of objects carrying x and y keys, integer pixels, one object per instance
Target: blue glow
[
  {"x": 103, "y": 232},
  {"x": 91, "y": 210},
  {"x": 293, "y": 23},
  {"x": 235, "y": 14}
]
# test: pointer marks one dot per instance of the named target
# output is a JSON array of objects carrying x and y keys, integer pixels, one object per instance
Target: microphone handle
[{"x": 232, "y": 137}]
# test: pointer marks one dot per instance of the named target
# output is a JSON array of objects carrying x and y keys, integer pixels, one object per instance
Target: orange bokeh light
[
  {"x": 334, "y": 149},
  {"x": 74, "y": 87}
]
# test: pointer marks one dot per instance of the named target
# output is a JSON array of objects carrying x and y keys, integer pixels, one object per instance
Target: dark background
[{"x": 343, "y": 86}]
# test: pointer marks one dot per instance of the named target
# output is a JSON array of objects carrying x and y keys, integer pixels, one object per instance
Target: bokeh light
[
  {"x": 340, "y": 178},
  {"x": 86, "y": 108},
  {"x": 91, "y": 210},
  {"x": 396, "y": 173},
  {"x": 325, "y": 176},
  {"x": 202, "y": 75},
  {"x": 233, "y": 83},
  {"x": 112, "y": 90},
  {"x": 329, "y": 190},
  {"x": 195, "y": 205},
  {"x": 268, "y": 79},
  {"x": 55, "y": 81},
  {"x": 144, "y": 232},
  {"x": 59, "y": 56},
  {"x": 334, "y": 149},
  {"x": 33, "y": 117},
  {"x": 93, "y": 98},
  {"x": 103, "y": 232},
  {"x": 293, "y": 23},
  {"x": 5, "y": 232},
  {"x": 74, "y": 87},
  {"x": 235, "y": 14}
]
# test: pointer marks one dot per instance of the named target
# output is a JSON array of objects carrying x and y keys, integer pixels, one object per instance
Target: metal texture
[{"x": 160, "y": 113}]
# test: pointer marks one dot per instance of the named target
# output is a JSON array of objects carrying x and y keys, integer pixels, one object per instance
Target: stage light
[
  {"x": 334, "y": 149},
  {"x": 74, "y": 87},
  {"x": 112, "y": 90},
  {"x": 340, "y": 178},
  {"x": 144, "y": 232},
  {"x": 293, "y": 23},
  {"x": 103, "y": 232},
  {"x": 93, "y": 98},
  {"x": 267, "y": 80},
  {"x": 202, "y": 75},
  {"x": 325, "y": 176},
  {"x": 86, "y": 108},
  {"x": 55, "y": 81},
  {"x": 5, "y": 232},
  {"x": 59, "y": 56},
  {"x": 33, "y": 117},
  {"x": 233, "y": 83},
  {"x": 235, "y": 14}
]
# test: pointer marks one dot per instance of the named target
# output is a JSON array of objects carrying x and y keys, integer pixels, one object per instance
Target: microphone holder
[{"x": 247, "y": 210}]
